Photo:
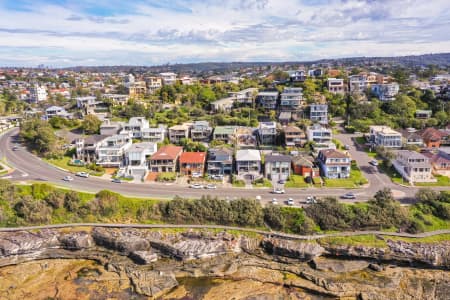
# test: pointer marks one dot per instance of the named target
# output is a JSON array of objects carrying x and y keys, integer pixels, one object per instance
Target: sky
[{"x": 60, "y": 33}]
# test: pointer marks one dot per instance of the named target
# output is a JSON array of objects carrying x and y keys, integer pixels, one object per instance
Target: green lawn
[
  {"x": 441, "y": 181},
  {"x": 356, "y": 179},
  {"x": 296, "y": 181},
  {"x": 393, "y": 174},
  {"x": 64, "y": 163},
  {"x": 238, "y": 183},
  {"x": 369, "y": 240},
  {"x": 262, "y": 183}
]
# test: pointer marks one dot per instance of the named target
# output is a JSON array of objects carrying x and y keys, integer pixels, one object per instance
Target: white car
[
  {"x": 278, "y": 191},
  {"x": 274, "y": 201},
  {"x": 290, "y": 201},
  {"x": 196, "y": 175},
  {"x": 68, "y": 178},
  {"x": 311, "y": 200},
  {"x": 211, "y": 187},
  {"x": 196, "y": 186},
  {"x": 374, "y": 162},
  {"x": 82, "y": 174}
]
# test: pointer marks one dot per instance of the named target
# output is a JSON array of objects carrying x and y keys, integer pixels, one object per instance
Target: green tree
[{"x": 91, "y": 124}]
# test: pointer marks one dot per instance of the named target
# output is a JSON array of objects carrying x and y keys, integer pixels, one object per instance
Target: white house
[
  {"x": 248, "y": 164},
  {"x": 336, "y": 85},
  {"x": 111, "y": 151},
  {"x": 154, "y": 134},
  {"x": 386, "y": 92},
  {"x": 318, "y": 113},
  {"x": 319, "y": 134},
  {"x": 135, "y": 126},
  {"x": 334, "y": 164},
  {"x": 291, "y": 99},
  {"x": 56, "y": 111},
  {"x": 136, "y": 158},
  {"x": 385, "y": 136},
  {"x": 38, "y": 94},
  {"x": 168, "y": 78},
  {"x": 413, "y": 166}
]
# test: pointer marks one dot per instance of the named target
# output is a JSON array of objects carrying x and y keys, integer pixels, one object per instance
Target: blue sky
[{"x": 147, "y": 32}]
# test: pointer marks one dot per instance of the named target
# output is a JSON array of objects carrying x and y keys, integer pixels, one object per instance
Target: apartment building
[
  {"x": 137, "y": 89},
  {"x": 38, "y": 94},
  {"x": 385, "y": 136},
  {"x": 291, "y": 99},
  {"x": 318, "y": 113},
  {"x": 267, "y": 100},
  {"x": 334, "y": 164},
  {"x": 413, "y": 166},
  {"x": 153, "y": 83},
  {"x": 336, "y": 85},
  {"x": 385, "y": 92}
]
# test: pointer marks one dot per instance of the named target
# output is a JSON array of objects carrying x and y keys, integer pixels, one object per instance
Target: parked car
[
  {"x": 258, "y": 198},
  {"x": 278, "y": 191},
  {"x": 196, "y": 175},
  {"x": 274, "y": 201},
  {"x": 348, "y": 196},
  {"x": 210, "y": 186},
  {"x": 68, "y": 178},
  {"x": 347, "y": 147},
  {"x": 116, "y": 180},
  {"x": 15, "y": 148},
  {"x": 281, "y": 181},
  {"x": 290, "y": 201},
  {"x": 217, "y": 177},
  {"x": 82, "y": 174},
  {"x": 196, "y": 186},
  {"x": 374, "y": 162},
  {"x": 311, "y": 200}
]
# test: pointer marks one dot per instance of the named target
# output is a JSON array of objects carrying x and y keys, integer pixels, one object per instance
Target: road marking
[{"x": 24, "y": 175}]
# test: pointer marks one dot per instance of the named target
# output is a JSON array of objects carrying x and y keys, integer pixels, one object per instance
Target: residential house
[
  {"x": 135, "y": 126},
  {"x": 86, "y": 147},
  {"x": 285, "y": 117},
  {"x": 192, "y": 163},
  {"x": 179, "y": 132},
  {"x": 87, "y": 102},
  {"x": 225, "y": 134},
  {"x": 334, "y": 164},
  {"x": 413, "y": 166},
  {"x": 201, "y": 131},
  {"x": 165, "y": 159},
  {"x": 441, "y": 162},
  {"x": 57, "y": 111},
  {"x": 248, "y": 164},
  {"x": 168, "y": 78},
  {"x": 423, "y": 114},
  {"x": 117, "y": 99},
  {"x": 219, "y": 161},
  {"x": 385, "y": 136},
  {"x": 267, "y": 100},
  {"x": 432, "y": 137},
  {"x": 358, "y": 83},
  {"x": 111, "y": 151},
  {"x": 222, "y": 105},
  {"x": 137, "y": 89},
  {"x": 136, "y": 158},
  {"x": 318, "y": 113},
  {"x": 315, "y": 72},
  {"x": 267, "y": 133},
  {"x": 336, "y": 85},
  {"x": 246, "y": 96},
  {"x": 109, "y": 127},
  {"x": 153, "y": 83},
  {"x": 277, "y": 167},
  {"x": 37, "y": 94},
  {"x": 294, "y": 136},
  {"x": 297, "y": 75},
  {"x": 412, "y": 137},
  {"x": 154, "y": 134},
  {"x": 291, "y": 99},
  {"x": 305, "y": 166},
  {"x": 385, "y": 92},
  {"x": 245, "y": 137},
  {"x": 319, "y": 134}
]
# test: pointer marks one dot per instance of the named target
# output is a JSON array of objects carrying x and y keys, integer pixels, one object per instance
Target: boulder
[{"x": 303, "y": 251}]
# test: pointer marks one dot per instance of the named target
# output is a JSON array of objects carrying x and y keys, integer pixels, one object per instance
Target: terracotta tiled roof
[
  {"x": 167, "y": 152},
  {"x": 193, "y": 157}
]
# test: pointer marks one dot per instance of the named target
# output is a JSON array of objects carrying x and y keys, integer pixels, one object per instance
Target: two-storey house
[
  {"x": 201, "y": 131},
  {"x": 334, "y": 164},
  {"x": 319, "y": 134},
  {"x": 291, "y": 99},
  {"x": 179, "y": 132},
  {"x": 277, "y": 167},
  {"x": 385, "y": 136},
  {"x": 318, "y": 113},
  {"x": 267, "y": 100},
  {"x": 248, "y": 164},
  {"x": 219, "y": 161},
  {"x": 154, "y": 134},
  {"x": 413, "y": 166},
  {"x": 165, "y": 159},
  {"x": 294, "y": 136},
  {"x": 111, "y": 151},
  {"x": 192, "y": 163},
  {"x": 136, "y": 126},
  {"x": 267, "y": 133},
  {"x": 136, "y": 158},
  {"x": 225, "y": 134}
]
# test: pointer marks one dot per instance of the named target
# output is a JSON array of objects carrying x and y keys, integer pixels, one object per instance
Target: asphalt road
[{"x": 30, "y": 168}]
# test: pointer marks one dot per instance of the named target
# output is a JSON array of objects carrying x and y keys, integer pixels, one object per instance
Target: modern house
[
  {"x": 336, "y": 85},
  {"x": 318, "y": 113},
  {"x": 319, "y": 134},
  {"x": 179, "y": 132},
  {"x": 111, "y": 151},
  {"x": 109, "y": 127},
  {"x": 384, "y": 136},
  {"x": 201, "y": 131},
  {"x": 168, "y": 78},
  {"x": 137, "y": 89},
  {"x": 423, "y": 114},
  {"x": 192, "y": 163},
  {"x": 297, "y": 75},
  {"x": 219, "y": 161},
  {"x": 294, "y": 136},
  {"x": 246, "y": 96},
  {"x": 248, "y": 164},
  {"x": 222, "y": 105},
  {"x": 267, "y": 100},
  {"x": 153, "y": 83},
  {"x": 87, "y": 102},
  {"x": 334, "y": 164},
  {"x": 277, "y": 167},
  {"x": 165, "y": 159},
  {"x": 136, "y": 158},
  {"x": 385, "y": 92},
  {"x": 154, "y": 134},
  {"x": 291, "y": 99},
  {"x": 136, "y": 126},
  {"x": 305, "y": 166},
  {"x": 57, "y": 111},
  {"x": 86, "y": 147},
  {"x": 117, "y": 99},
  {"x": 358, "y": 83},
  {"x": 225, "y": 134},
  {"x": 413, "y": 166},
  {"x": 267, "y": 133}
]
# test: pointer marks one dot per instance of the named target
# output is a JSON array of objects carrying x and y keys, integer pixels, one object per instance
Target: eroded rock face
[{"x": 293, "y": 249}]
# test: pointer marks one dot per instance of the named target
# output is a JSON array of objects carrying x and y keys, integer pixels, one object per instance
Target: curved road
[
  {"x": 28, "y": 167},
  {"x": 268, "y": 233}
]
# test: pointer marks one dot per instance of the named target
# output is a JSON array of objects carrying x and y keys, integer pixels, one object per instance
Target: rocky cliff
[{"x": 153, "y": 261}]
